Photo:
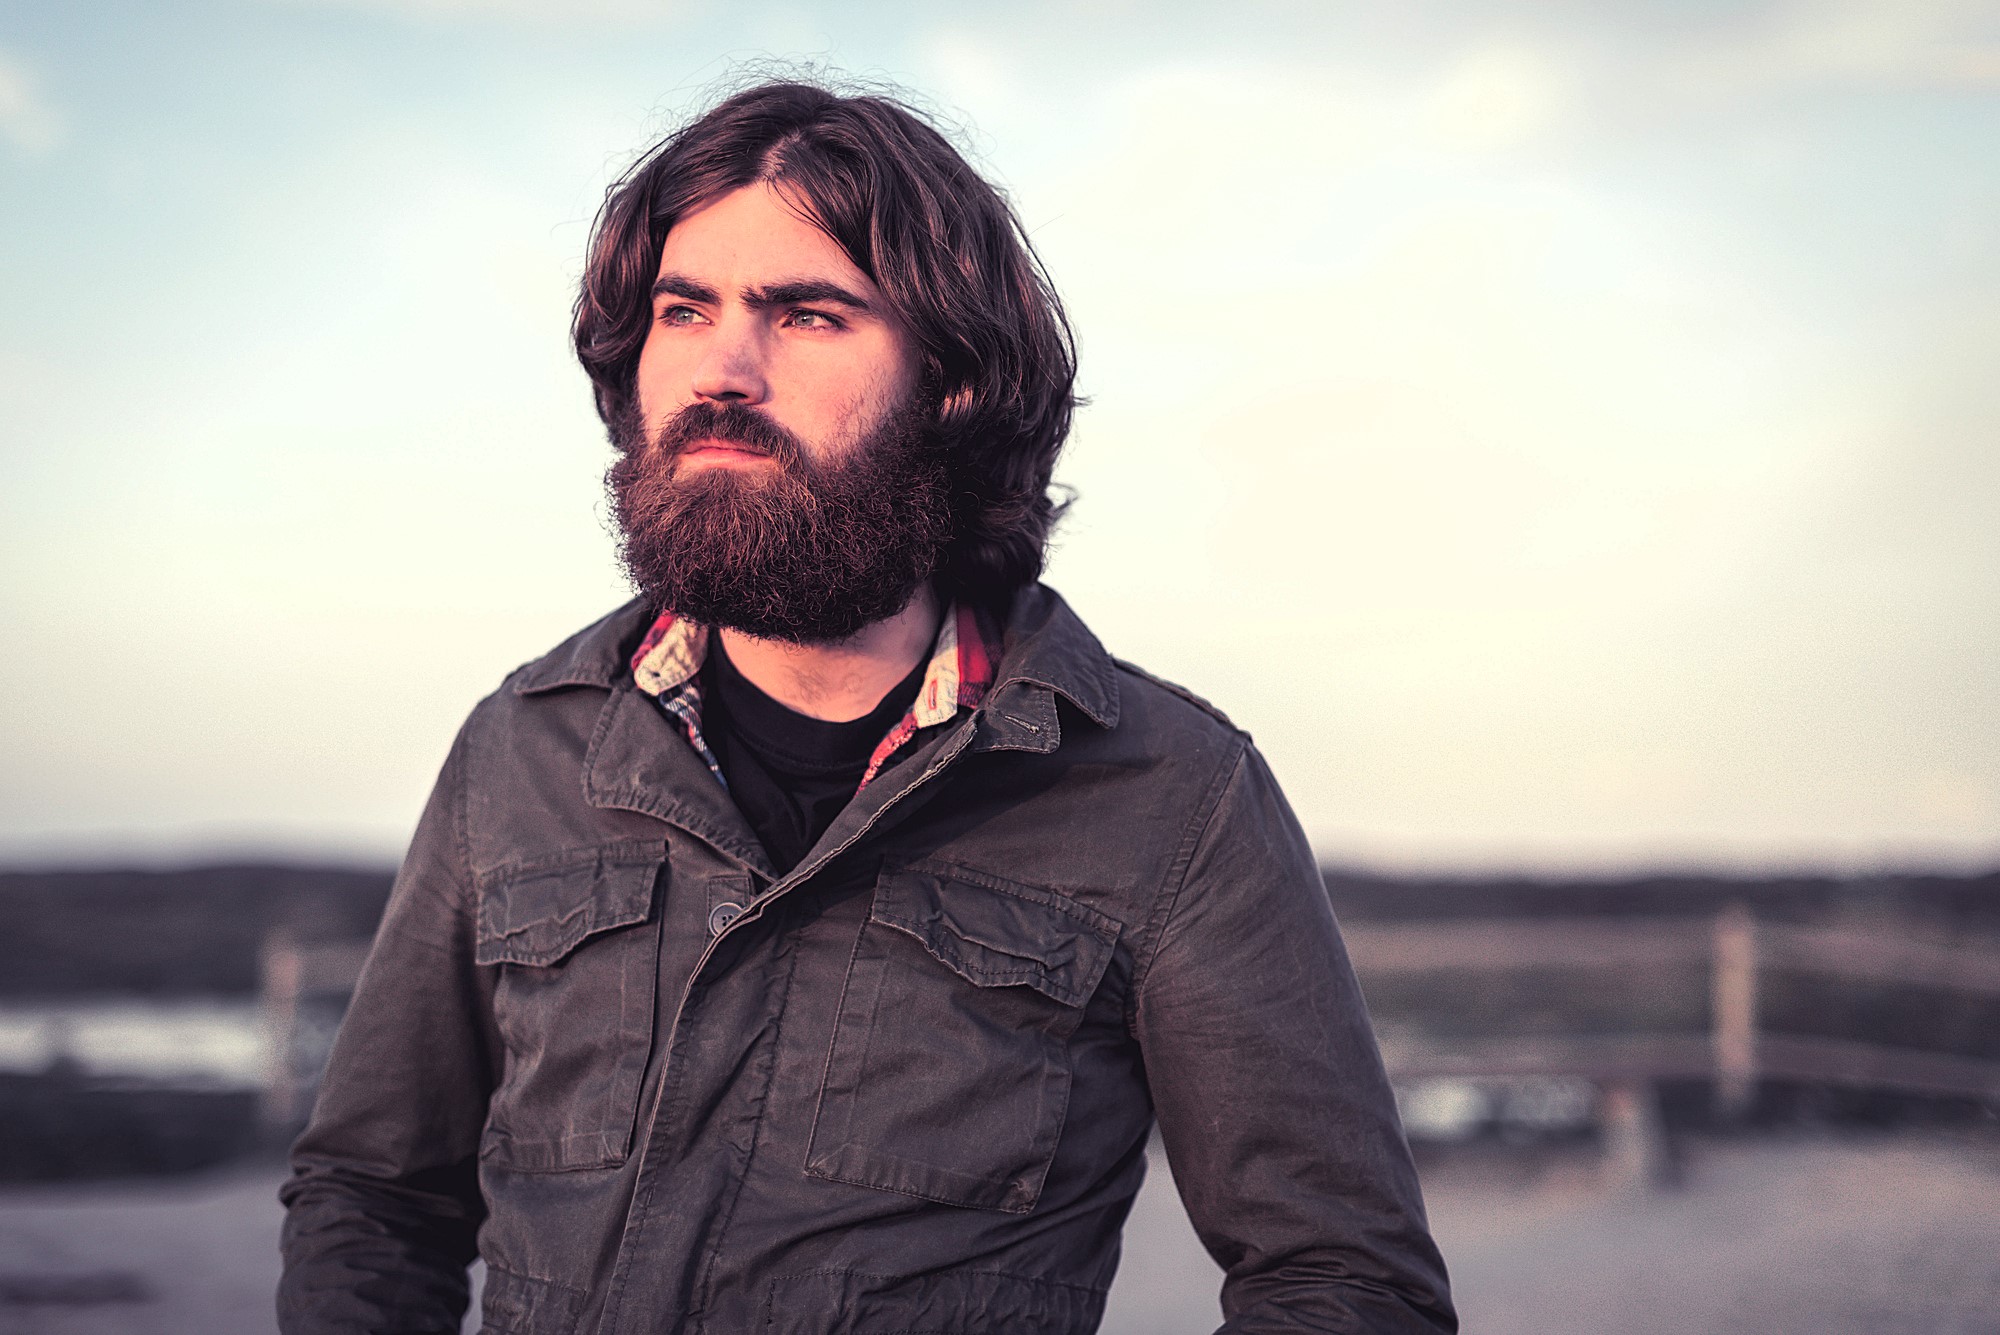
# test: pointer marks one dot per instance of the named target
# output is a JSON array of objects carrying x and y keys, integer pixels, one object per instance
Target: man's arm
[
  {"x": 1273, "y": 1106},
  {"x": 383, "y": 1205}
]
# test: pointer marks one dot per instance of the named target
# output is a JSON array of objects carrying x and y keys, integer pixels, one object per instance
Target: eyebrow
[
  {"x": 680, "y": 285},
  {"x": 796, "y": 291},
  {"x": 787, "y": 292}
]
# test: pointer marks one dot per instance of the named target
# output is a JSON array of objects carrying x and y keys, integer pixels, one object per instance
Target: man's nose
[{"x": 732, "y": 366}]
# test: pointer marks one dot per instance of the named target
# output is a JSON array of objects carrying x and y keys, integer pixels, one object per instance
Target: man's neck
[{"x": 842, "y": 681}]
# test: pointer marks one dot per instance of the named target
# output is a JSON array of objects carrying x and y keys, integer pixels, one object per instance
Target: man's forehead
[{"x": 753, "y": 236}]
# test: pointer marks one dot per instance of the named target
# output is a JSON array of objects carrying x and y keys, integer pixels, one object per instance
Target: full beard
[{"x": 802, "y": 551}]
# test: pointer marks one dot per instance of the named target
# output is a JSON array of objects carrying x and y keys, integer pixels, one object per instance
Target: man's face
[
  {"x": 755, "y": 306},
  {"x": 778, "y": 475}
]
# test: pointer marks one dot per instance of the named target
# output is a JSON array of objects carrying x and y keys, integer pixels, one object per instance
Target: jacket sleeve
[
  {"x": 1276, "y": 1115},
  {"x": 383, "y": 1205}
]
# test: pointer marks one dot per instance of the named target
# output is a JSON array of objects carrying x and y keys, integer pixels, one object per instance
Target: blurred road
[{"x": 1786, "y": 1237}]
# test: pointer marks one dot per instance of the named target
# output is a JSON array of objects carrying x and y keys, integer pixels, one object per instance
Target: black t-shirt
[{"x": 789, "y": 774}]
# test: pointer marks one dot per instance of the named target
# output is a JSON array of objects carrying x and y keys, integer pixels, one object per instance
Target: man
[{"x": 810, "y": 945}]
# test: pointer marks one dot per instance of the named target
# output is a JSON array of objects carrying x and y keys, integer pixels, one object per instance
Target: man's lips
[{"x": 722, "y": 452}]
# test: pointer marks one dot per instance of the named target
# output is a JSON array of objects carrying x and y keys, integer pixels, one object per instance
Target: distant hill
[
  {"x": 174, "y": 933},
  {"x": 1957, "y": 903},
  {"x": 198, "y": 931}
]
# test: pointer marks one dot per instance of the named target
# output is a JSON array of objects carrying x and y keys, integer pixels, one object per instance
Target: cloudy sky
[{"x": 1557, "y": 431}]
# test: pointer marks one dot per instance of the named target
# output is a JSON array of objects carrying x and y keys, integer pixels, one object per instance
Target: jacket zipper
[{"x": 782, "y": 886}]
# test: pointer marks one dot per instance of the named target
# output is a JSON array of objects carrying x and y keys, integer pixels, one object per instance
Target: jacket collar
[
  {"x": 594, "y": 656},
  {"x": 1046, "y": 649}
]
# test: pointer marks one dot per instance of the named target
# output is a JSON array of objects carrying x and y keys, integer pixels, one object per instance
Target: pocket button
[{"x": 721, "y": 916}]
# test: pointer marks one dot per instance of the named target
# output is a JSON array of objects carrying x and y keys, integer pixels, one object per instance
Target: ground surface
[{"x": 1776, "y": 1237}]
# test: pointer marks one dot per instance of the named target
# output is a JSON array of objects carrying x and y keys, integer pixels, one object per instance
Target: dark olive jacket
[{"x": 906, "y": 1087}]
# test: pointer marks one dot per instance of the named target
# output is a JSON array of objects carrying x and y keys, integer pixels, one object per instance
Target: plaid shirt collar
[{"x": 667, "y": 666}]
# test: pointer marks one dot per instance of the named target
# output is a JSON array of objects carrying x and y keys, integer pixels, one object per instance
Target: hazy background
[{"x": 1562, "y": 433}]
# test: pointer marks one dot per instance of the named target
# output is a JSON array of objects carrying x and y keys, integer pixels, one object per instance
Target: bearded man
[{"x": 810, "y": 945}]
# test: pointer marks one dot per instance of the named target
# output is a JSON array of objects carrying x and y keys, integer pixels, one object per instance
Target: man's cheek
[{"x": 860, "y": 416}]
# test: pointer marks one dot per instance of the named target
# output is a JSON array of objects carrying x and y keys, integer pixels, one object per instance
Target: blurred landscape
[
  {"x": 1562, "y": 434},
  {"x": 1668, "y": 1103}
]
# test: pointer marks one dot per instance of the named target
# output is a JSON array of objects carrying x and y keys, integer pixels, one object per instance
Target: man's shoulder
[
  {"x": 595, "y": 657},
  {"x": 598, "y": 655},
  {"x": 1174, "y": 697},
  {"x": 1054, "y": 646}
]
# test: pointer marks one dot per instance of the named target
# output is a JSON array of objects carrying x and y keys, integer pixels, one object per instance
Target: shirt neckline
[{"x": 798, "y": 742}]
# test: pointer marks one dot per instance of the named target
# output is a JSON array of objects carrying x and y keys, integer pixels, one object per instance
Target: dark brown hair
[{"x": 944, "y": 247}]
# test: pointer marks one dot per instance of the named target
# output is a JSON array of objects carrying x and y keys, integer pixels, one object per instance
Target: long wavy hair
[{"x": 944, "y": 247}]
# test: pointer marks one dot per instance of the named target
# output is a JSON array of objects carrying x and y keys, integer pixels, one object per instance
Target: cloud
[
  {"x": 26, "y": 121},
  {"x": 622, "y": 13},
  {"x": 1894, "y": 42},
  {"x": 1878, "y": 44},
  {"x": 1493, "y": 98},
  {"x": 1546, "y": 468}
]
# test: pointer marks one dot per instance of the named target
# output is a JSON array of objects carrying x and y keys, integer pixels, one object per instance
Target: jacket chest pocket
[
  {"x": 949, "y": 1074},
  {"x": 578, "y": 948}
]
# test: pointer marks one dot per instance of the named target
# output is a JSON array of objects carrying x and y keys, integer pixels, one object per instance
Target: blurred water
[{"x": 211, "y": 1042}]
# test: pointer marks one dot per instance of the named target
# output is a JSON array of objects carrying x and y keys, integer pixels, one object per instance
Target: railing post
[
  {"x": 279, "y": 984},
  {"x": 1637, "y": 1158},
  {"x": 1733, "y": 1009}
]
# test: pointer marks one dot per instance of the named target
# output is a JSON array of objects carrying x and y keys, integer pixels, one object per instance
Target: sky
[{"x": 1563, "y": 435}]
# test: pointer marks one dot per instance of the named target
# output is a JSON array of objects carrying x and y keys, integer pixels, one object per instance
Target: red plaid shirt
[{"x": 667, "y": 666}]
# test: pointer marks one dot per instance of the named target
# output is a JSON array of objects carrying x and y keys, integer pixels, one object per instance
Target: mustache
[{"x": 734, "y": 424}]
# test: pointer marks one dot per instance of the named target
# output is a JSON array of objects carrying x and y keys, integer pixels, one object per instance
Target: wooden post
[
  {"x": 281, "y": 974},
  {"x": 1733, "y": 1008},
  {"x": 1636, "y": 1155}
]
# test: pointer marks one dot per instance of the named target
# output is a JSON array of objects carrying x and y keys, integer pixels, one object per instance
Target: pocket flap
[
  {"x": 537, "y": 915},
  {"x": 994, "y": 933}
]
